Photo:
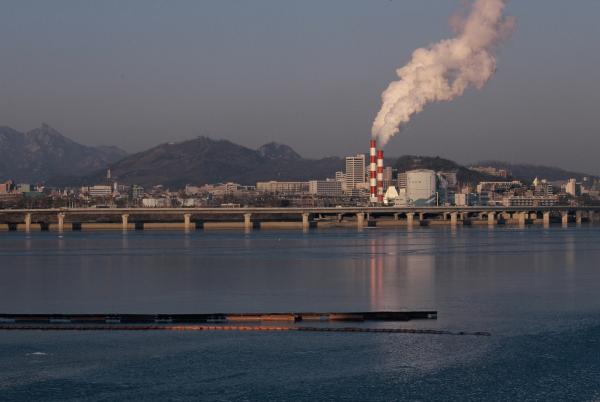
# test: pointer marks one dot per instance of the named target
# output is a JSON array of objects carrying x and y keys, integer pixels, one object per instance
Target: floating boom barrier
[
  {"x": 217, "y": 317},
  {"x": 255, "y": 328}
]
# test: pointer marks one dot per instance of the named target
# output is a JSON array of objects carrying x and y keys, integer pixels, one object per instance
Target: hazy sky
[{"x": 305, "y": 73}]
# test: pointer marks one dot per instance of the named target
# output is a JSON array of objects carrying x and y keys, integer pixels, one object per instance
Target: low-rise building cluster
[{"x": 356, "y": 185}]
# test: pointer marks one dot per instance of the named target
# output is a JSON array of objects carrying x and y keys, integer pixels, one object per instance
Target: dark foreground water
[{"x": 536, "y": 290}]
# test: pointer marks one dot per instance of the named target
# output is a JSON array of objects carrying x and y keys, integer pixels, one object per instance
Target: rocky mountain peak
[{"x": 274, "y": 150}]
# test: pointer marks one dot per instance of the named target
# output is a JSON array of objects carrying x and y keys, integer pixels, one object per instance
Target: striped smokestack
[
  {"x": 380, "y": 176},
  {"x": 373, "y": 171}
]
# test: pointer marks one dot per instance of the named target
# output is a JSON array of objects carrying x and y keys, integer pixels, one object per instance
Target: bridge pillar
[
  {"x": 578, "y": 217},
  {"x": 491, "y": 218},
  {"x": 247, "y": 221},
  {"x": 61, "y": 221},
  {"x": 521, "y": 218},
  {"x": 591, "y": 216},
  {"x": 565, "y": 217},
  {"x": 453, "y": 218},
  {"x": 360, "y": 220},
  {"x": 305, "y": 221},
  {"x": 396, "y": 216},
  {"x": 27, "y": 222},
  {"x": 187, "y": 222},
  {"x": 410, "y": 217},
  {"x": 125, "y": 221},
  {"x": 547, "y": 218}
]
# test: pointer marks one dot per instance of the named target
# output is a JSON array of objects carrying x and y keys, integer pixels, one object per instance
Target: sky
[{"x": 136, "y": 73}]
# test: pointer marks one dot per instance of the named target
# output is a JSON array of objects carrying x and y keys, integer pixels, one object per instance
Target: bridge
[{"x": 249, "y": 218}]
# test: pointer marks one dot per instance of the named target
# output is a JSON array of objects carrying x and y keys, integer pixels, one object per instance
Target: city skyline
[{"x": 133, "y": 75}]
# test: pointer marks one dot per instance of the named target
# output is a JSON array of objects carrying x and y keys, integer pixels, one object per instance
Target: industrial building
[{"x": 421, "y": 187}]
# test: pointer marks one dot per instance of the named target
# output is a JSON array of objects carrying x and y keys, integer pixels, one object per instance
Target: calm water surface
[{"x": 536, "y": 290}]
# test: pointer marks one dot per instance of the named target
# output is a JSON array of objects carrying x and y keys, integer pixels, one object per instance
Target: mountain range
[
  {"x": 205, "y": 160},
  {"x": 45, "y": 155}
]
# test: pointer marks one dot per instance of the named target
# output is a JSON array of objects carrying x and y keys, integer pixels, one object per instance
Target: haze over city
[
  {"x": 307, "y": 74},
  {"x": 342, "y": 200}
]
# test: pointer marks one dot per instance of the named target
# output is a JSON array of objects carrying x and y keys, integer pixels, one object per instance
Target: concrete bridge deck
[{"x": 301, "y": 218}]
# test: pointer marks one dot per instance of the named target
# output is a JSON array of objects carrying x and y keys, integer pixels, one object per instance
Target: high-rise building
[{"x": 355, "y": 175}]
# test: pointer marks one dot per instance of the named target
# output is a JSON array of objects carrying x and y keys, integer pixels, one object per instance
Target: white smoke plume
[{"x": 445, "y": 69}]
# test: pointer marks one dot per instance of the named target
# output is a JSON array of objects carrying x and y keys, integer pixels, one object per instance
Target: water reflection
[
  {"x": 377, "y": 250},
  {"x": 271, "y": 271}
]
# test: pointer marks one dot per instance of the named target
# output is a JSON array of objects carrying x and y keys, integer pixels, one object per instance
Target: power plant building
[{"x": 420, "y": 186}]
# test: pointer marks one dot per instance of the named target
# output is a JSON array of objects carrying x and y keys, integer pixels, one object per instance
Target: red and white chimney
[
  {"x": 380, "y": 176},
  {"x": 373, "y": 171}
]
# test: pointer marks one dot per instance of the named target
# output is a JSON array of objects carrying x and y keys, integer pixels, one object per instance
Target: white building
[
  {"x": 530, "y": 201},
  {"x": 156, "y": 202},
  {"x": 100, "y": 190},
  {"x": 191, "y": 202},
  {"x": 420, "y": 186}
]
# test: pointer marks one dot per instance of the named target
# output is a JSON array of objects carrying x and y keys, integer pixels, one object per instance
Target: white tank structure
[
  {"x": 421, "y": 187},
  {"x": 390, "y": 196}
]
